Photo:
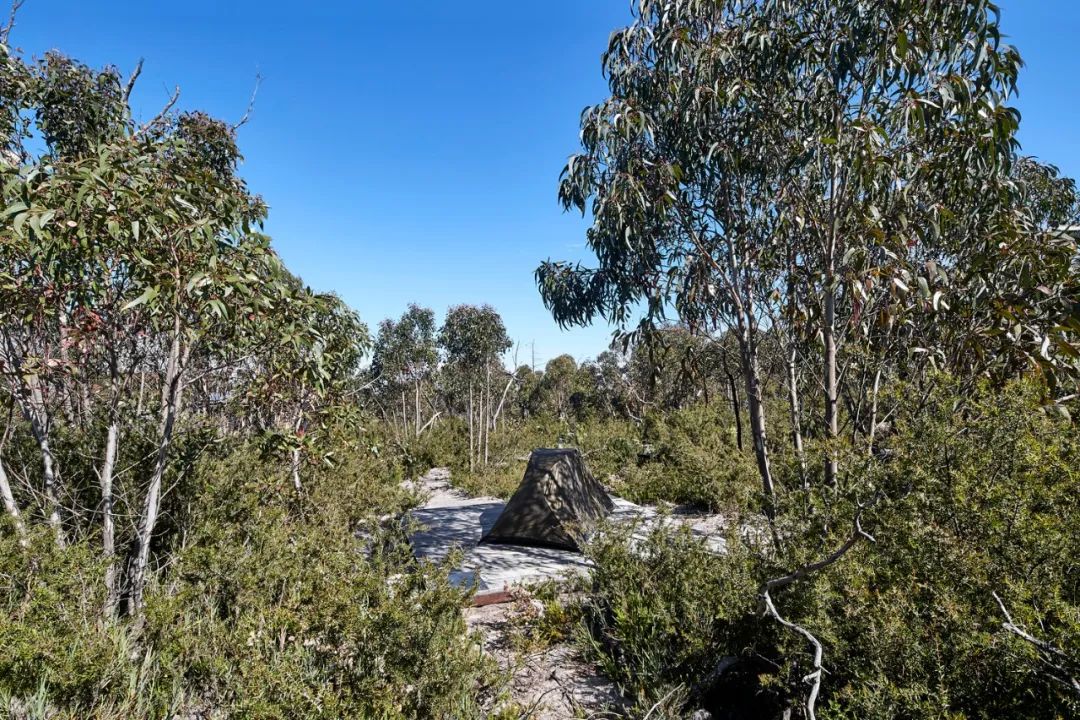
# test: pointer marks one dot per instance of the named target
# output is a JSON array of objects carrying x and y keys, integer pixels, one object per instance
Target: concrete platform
[{"x": 450, "y": 520}]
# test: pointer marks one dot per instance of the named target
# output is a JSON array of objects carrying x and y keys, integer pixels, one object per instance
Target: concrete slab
[{"x": 449, "y": 520}]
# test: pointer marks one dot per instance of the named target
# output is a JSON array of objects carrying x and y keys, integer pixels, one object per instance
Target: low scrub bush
[
  {"x": 265, "y": 605},
  {"x": 691, "y": 457},
  {"x": 974, "y": 509}
]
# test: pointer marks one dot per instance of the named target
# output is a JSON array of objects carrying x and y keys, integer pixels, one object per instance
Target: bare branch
[
  {"x": 5, "y": 31},
  {"x": 857, "y": 534},
  {"x": 814, "y": 678},
  {"x": 1066, "y": 677},
  {"x": 131, "y": 81},
  {"x": 251, "y": 104},
  {"x": 161, "y": 115}
]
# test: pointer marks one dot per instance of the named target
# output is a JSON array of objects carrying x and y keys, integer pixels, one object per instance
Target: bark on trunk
[
  {"x": 108, "y": 521},
  {"x": 751, "y": 377},
  {"x": 151, "y": 506},
  {"x": 294, "y": 459},
  {"x": 487, "y": 413},
  {"x": 471, "y": 456},
  {"x": 10, "y": 506},
  {"x": 35, "y": 415},
  {"x": 737, "y": 407},
  {"x": 796, "y": 415},
  {"x": 874, "y": 412},
  {"x": 416, "y": 416},
  {"x": 832, "y": 424}
]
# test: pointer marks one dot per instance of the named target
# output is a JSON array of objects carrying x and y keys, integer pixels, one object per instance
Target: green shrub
[
  {"x": 664, "y": 611},
  {"x": 978, "y": 497},
  {"x": 692, "y": 459},
  {"x": 266, "y": 606}
]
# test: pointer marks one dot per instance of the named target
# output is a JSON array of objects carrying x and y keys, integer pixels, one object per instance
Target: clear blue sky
[{"x": 409, "y": 149}]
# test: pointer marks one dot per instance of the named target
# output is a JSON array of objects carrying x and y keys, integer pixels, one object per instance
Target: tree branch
[
  {"x": 251, "y": 104},
  {"x": 1066, "y": 675},
  {"x": 131, "y": 81},
  {"x": 161, "y": 115},
  {"x": 814, "y": 678},
  {"x": 5, "y": 31}
]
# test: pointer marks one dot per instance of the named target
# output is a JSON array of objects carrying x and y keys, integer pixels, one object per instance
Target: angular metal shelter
[{"x": 557, "y": 504}]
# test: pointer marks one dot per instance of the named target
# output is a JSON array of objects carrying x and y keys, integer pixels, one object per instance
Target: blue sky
[{"x": 410, "y": 150}]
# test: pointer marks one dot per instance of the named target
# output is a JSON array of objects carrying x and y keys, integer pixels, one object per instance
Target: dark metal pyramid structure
[{"x": 557, "y": 504}]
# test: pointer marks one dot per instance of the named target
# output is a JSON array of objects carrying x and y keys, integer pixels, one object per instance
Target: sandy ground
[{"x": 552, "y": 684}]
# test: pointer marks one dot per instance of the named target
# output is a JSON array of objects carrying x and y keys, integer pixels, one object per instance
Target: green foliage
[
  {"x": 691, "y": 457},
  {"x": 983, "y": 501},
  {"x": 664, "y": 611},
  {"x": 270, "y": 607},
  {"x": 978, "y": 498}
]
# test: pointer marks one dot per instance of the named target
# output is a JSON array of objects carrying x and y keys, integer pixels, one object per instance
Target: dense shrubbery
[
  {"x": 268, "y": 606},
  {"x": 978, "y": 498},
  {"x": 691, "y": 457}
]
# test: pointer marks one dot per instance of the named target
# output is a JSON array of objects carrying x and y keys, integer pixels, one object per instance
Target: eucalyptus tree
[
  {"x": 756, "y": 153},
  {"x": 406, "y": 357},
  {"x": 473, "y": 339},
  {"x": 127, "y": 249},
  {"x": 305, "y": 361},
  {"x": 682, "y": 184}
]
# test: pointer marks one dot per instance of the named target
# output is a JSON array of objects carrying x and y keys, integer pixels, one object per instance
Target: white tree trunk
[
  {"x": 108, "y": 521},
  {"x": 416, "y": 415},
  {"x": 170, "y": 408},
  {"x": 796, "y": 413},
  {"x": 832, "y": 423},
  {"x": 487, "y": 412},
  {"x": 10, "y": 506},
  {"x": 471, "y": 455}
]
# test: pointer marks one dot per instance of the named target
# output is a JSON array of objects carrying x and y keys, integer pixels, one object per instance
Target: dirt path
[{"x": 549, "y": 684}]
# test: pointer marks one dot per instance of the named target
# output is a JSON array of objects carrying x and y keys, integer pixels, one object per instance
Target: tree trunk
[
  {"x": 471, "y": 456},
  {"x": 142, "y": 389},
  {"x": 751, "y": 376},
  {"x": 10, "y": 506},
  {"x": 31, "y": 401},
  {"x": 796, "y": 414},
  {"x": 416, "y": 417},
  {"x": 170, "y": 408},
  {"x": 108, "y": 521},
  {"x": 737, "y": 407},
  {"x": 35, "y": 415},
  {"x": 487, "y": 412},
  {"x": 294, "y": 459},
  {"x": 874, "y": 412},
  {"x": 832, "y": 424}
]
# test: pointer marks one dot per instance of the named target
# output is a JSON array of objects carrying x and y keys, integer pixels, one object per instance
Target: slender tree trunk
[
  {"x": 108, "y": 521},
  {"x": 832, "y": 424},
  {"x": 751, "y": 376},
  {"x": 9, "y": 505},
  {"x": 142, "y": 389},
  {"x": 487, "y": 412},
  {"x": 31, "y": 401},
  {"x": 796, "y": 413},
  {"x": 170, "y": 408},
  {"x": 737, "y": 407},
  {"x": 404, "y": 416},
  {"x": 471, "y": 456},
  {"x": 416, "y": 417},
  {"x": 874, "y": 412},
  {"x": 35, "y": 415},
  {"x": 67, "y": 403},
  {"x": 294, "y": 460}
]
